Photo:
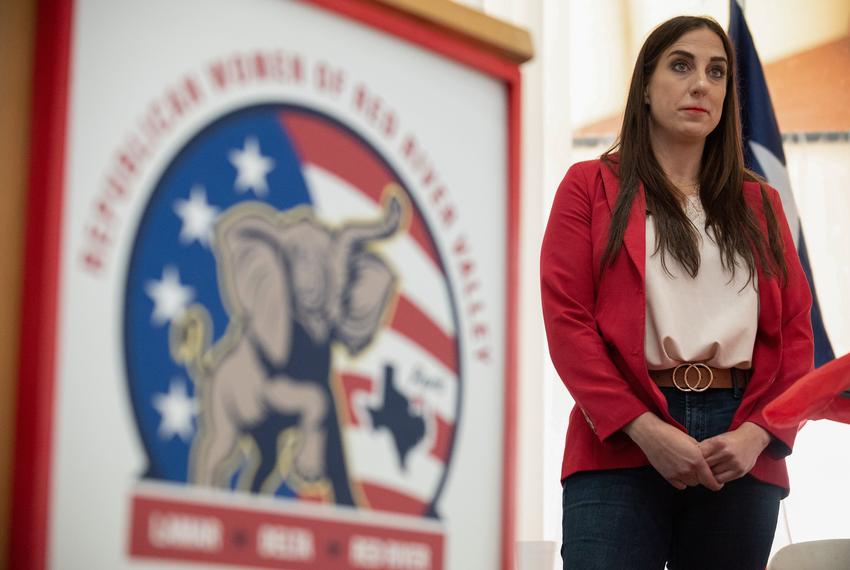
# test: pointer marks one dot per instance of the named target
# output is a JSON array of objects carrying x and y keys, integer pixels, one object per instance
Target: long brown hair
[{"x": 721, "y": 176}]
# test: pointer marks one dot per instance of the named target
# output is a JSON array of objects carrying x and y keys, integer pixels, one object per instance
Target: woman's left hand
[{"x": 731, "y": 455}]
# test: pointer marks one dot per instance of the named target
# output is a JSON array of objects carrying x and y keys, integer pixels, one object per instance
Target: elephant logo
[
  {"x": 289, "y": 326},
  {"x": 293, "y": 287}
]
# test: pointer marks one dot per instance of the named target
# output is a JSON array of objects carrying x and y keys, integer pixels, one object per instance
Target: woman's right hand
[{"x": 673, "y": 453}]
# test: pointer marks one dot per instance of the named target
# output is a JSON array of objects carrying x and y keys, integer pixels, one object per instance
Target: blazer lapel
[{"x": 635, "y": 236}]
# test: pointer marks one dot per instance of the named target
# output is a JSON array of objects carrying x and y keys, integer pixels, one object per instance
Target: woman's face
[{"x": 685, "y": 92}]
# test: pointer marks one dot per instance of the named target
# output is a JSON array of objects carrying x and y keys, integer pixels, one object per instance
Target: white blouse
[{"x": 711, "y": 318}]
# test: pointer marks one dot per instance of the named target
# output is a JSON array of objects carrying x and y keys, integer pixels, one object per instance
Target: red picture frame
[{"x": 45, "y": 202}]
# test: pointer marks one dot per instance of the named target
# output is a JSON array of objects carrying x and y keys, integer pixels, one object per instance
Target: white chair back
[{"x": 813, "y": 555}]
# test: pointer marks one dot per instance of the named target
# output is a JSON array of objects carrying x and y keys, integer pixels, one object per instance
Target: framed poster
[{"x": 271, "y": 266}]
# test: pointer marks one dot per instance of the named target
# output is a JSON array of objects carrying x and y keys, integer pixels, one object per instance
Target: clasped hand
[
  {"x": 685, "y": 462},
  {"x": 731, "y": 455}
]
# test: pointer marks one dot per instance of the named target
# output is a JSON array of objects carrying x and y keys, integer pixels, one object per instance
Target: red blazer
[{"x": 595, "y": 324}]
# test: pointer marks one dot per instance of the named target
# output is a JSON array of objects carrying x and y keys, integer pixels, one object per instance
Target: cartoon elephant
[{"x": 293, "y": 287}]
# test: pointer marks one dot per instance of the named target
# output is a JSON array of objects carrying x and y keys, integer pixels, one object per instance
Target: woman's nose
[{"x": 700, "y": 84}]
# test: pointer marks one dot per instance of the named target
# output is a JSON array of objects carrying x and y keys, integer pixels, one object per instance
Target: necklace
[
  {"x": 694, "y": 189},
  {"x": 693, "y": 208}
]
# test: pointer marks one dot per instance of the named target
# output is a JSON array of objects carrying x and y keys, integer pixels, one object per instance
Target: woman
[{"x": 676, "y": 310}]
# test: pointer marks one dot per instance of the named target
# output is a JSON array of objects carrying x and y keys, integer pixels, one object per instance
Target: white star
[
  {"x": 197, "y": 215},
  {"x": 177, "y": 411},
  {"x": 169, "y": 296},
  {"x": 251, "y": 168}
]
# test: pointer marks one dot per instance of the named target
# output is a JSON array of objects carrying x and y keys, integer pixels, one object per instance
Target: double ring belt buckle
[{"x": 693, "y": 366}]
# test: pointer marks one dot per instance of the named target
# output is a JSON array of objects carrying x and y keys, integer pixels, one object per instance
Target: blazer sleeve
[
  {"x": 578, "y": 352},
  {"x": 797, "y": 339}
]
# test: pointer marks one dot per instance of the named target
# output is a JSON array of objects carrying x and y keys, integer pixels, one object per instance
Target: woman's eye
[
  {"x": 717, "y": 73},
  {"x": 680, "y": 66}
]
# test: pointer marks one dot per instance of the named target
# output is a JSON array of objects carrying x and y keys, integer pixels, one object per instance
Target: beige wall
[
  {"x": 16, "y": 29},
  {"x": 785, "y": 27}
]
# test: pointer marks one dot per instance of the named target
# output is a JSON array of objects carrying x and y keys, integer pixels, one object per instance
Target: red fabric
[
  {"x": 816, "y": 396},
  {"x": 595, "y": 327}
]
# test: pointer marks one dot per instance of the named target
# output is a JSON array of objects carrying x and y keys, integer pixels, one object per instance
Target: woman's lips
[{"x": 695, "y": 110}]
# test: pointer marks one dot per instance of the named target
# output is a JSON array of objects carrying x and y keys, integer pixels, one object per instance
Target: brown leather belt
[{"x": 697, "y": 377}]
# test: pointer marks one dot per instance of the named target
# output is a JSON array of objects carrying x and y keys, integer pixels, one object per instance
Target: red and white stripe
[{"x": 346, "y": 182}]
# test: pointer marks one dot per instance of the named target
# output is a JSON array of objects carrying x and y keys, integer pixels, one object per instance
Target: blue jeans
[{"x": 634, "y": 519}]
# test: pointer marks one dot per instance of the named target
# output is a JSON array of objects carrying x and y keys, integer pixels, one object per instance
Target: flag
[{"x": 763, "y": 153}]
